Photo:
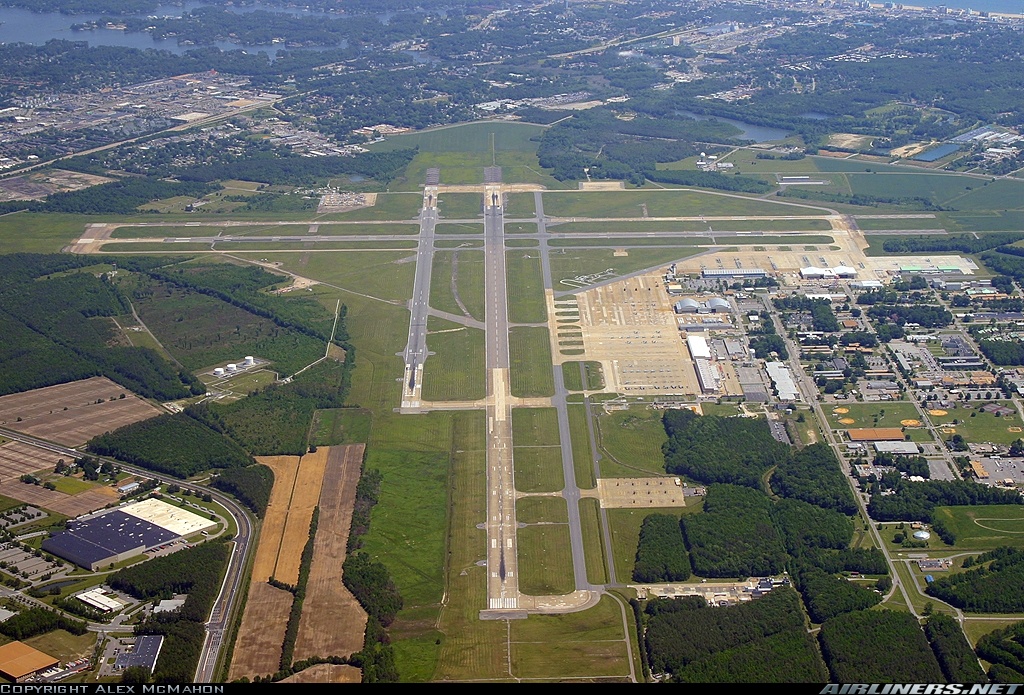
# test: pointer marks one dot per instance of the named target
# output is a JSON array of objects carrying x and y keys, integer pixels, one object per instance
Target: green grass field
[
  {"x": 888, "y": 414},
  {"x": 574, "y": 381},
  {"x": 545, "y": 560},
  {"x": 588, "y": 646},
  {"x": 71, "y": 486},
  {"x": 625, "y": 529},
  {"x": 536, "y": 510},
  {"x": 525, "y": 287},
  {"x": 465, "y": 271},
  {"x": 977, "y": 427},
  {"x": 389, "y": 206},
  {"x": 631, "y": 440},
  {"x": 456, "y": 372},
  {"x": 535, "y": 427},
  {"x": 459, "y": 206},
  {"x": 338, "y": 426},
  {"x": 538, "y": 468},
  {"x": 570, "y": 263},
  {"x": 593, "y": 541},
  {"x": 520, "y": 205},
  {"x": 982, "y": 527},
  {"x": 458, "y": 228},
  {"x": 530, "y": 358},
  {"x": 582, "y": 455},
  {"x": 663, "y": 203},
  {"x": 647, "y": 226}
]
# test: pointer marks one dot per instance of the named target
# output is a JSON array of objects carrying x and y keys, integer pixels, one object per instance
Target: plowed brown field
[{"x": 332, "y": 621}]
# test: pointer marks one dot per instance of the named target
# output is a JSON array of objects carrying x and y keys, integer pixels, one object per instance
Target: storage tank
[
  {"x": 922, "y": 535},
  {"x": 218, "y": 371},
  {"x": 249, "y": 360},
  {"x": 232, "y": 367}
]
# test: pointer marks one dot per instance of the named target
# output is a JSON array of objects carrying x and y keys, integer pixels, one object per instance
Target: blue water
[
  {"x": 37, "y": 28},
  {"x": 748, "y": 131},
  {"x": 937, "y": 153}
]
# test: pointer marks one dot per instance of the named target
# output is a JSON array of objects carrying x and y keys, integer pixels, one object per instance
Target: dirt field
[
  {"x": 17, "y": 459},
  {"x": 261, "y": 636},
  {"x": 68, "y": 505},
  {"x": 327, "y": 673},
  {"x": 332, "y": 620},
  {"x": 70, "y": 414}
]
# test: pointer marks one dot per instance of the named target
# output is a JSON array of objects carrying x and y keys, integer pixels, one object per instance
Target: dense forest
[
  {"x": 55, "y": 329},
  {"x": 176, "y": 444},
  {"x": 953, "y": 651},
  {"x": 734, "y": 535},
  {"x": 712, "y": 449},
  {"x": 860, "y": 646},
  {"x": 813, "y": 474},
  {"x": 994, "y": 585},
  {"x": 1004, "y": 649},
  {"x": 827, "y": 596},
  {"x": 915, "y": 501},
  {"x": 661, "y": 554},
  {"x": 250, "y": 485},
  {"x": 684, "y": 631}
]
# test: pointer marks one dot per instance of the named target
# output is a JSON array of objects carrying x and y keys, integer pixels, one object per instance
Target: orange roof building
[
  {"x": 876, "y": 434},
  {"x": 18, "y": 661}
]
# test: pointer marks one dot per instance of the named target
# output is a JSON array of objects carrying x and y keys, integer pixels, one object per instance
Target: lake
[
  {"x": 37, "y": 28},
  {"x": 748, "y": 131}
]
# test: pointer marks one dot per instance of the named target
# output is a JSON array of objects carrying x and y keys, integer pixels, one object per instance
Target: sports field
[{"x": 984, "y": 527}]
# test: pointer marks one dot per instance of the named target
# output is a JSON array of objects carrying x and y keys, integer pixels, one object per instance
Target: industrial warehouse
[{"x": 110, "y": 536}]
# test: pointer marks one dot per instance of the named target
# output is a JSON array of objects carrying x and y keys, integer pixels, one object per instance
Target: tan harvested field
[
  {"x": 261, "y": 635},
  {"x": 70, "y": 414},
  {"x": 332, "y": 620},
  {"x": 327, "y": 673},
  {"x": 284, "y": 468},
  {"x": 68, "y": 505},
  {"x": 17, "y": 459},
  {"x": 284, "y": 532},
  {"x": 305, "y": 495}
]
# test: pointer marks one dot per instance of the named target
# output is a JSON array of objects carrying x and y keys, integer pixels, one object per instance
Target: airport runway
[{"x": 416, "y": 346}]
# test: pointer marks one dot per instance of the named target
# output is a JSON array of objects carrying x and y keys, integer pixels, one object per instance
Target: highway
[{"x": 226, "y": 603}]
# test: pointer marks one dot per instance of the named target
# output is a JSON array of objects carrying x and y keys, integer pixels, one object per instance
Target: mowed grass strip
[
  {"x": 542, "y": 510},
  {"x": 582, "y": 456},
  {"x": 545, "y": 560},
  {"x": 647, "y": 226},
  {"x": 525, "y": 284},
  {"x": 530, "y": 358},
  {"x": 456, "y": 370},
  {"x": 662, "y": 203},
  {"x": 574, "y": 377},
  {"x": 632, "y": 439},
  {"x": 538, "y": 469},
  {"x": 520, "y": 205},
  {"x": 589, "y": 644},
  {"x": 460, "y": 206},
  {"x": 535, "y": 427},
  {"x": 983, "y": 527},
  {"x": 470, "y": 647},
  {"x": 593, "y": 540}
]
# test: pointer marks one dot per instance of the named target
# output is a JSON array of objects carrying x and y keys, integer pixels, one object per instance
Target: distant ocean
[{"x": 1003, "y": 6}]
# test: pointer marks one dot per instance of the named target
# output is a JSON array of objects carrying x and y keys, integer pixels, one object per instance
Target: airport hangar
[{"x": 111, "y": 536}]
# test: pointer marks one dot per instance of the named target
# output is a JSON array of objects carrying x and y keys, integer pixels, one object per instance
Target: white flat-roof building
[
  {"x": 698, "y": 347},
  {"x": 97, "y": 599},
  {"x": 815, "y": 273}
]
